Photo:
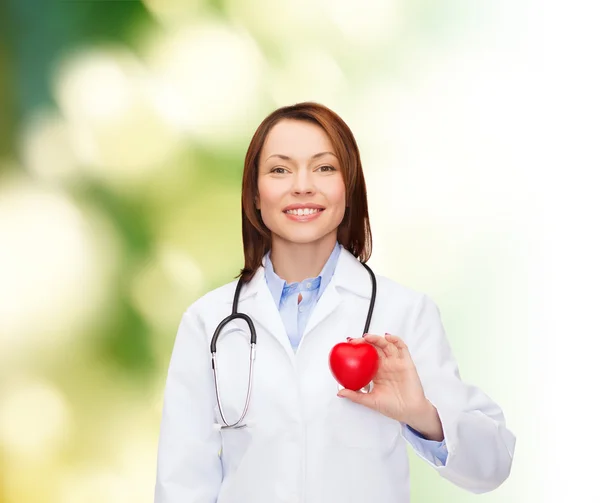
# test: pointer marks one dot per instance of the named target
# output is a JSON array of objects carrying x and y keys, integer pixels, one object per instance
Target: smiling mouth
[{"x": 304, "y": 211}]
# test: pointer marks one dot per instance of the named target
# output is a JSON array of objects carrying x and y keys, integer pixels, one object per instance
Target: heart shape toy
[{"x": 353, "y": 365}]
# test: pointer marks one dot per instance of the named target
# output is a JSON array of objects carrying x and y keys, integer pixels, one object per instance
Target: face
[{"x": 301, "y": 192}]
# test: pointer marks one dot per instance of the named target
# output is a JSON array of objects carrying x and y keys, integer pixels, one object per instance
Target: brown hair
[{"x": 354, "y": 232}]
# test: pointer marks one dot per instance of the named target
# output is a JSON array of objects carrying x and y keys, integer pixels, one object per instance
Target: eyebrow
[{"x": 287, "y": 158}]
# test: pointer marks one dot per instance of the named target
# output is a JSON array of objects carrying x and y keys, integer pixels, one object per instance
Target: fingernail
[{"x": 348, "y": 338}]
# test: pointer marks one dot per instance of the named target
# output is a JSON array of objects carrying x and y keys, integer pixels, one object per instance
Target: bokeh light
[
  {"x": 163, "y": 283},
  {"x": 376, "y": 22},
  {"x": 34, "y": 419},
  {"x": 309, "y": 74},
  {"x": 55, "y": 272},
  {"x": 96, "y": 484},
  {"x": 47, "y": 148},
  {"x": 212, "y": 75},
  {"x": 118, "y": 130}
]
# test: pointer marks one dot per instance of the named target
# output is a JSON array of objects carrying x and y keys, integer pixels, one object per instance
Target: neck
[{"x": 294, "y": 262}]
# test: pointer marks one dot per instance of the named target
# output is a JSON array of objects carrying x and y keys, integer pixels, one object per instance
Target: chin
[{"x": 303, "y": 237}]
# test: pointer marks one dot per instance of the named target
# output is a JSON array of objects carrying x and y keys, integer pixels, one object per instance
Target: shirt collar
[{"x": 276, "y": 284}]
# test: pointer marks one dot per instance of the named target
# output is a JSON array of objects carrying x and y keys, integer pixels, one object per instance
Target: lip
[
  {"x": 303, "y": 218},
  {"x": 300, "y": 206}
]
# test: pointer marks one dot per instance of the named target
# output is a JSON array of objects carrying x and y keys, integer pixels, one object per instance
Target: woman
[{"x": 306, "y": 231}]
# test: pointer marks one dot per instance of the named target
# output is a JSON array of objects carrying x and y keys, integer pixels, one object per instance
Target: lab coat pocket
[{"x": 356, "y": 426}]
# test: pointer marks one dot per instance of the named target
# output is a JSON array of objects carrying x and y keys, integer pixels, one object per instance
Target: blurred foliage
[
  {"x": 123, "y": 130},
  {"x": 39, "y": 33}
]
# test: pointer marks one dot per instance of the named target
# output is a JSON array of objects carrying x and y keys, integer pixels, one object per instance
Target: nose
[{"x": 303, "y": 182}]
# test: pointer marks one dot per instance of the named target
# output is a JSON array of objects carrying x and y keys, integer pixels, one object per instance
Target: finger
[
  {"x": 394, "y": 338},
  {"x": 388, "y": 348},
  {"x": 355, "y": 340},
  {"x": 365, "y": 399},
  {"x": 396, "y": 341},
  {"x": 403, "y": 350},
  {"x": 362, "y": 340}
]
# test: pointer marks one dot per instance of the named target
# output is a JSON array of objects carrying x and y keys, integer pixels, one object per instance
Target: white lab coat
[{"x": 303, "y": 443}]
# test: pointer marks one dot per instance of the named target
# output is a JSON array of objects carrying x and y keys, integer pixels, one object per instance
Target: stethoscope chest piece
[{"x": 364, "y": 389}]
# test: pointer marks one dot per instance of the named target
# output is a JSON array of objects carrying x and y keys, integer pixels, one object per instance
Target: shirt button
[
  {"x": 301, "y": 309},
  {"x": 308, "y": 284}
]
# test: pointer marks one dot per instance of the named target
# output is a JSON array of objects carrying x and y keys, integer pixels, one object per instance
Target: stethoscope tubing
[{"x": 235, "y": 315}]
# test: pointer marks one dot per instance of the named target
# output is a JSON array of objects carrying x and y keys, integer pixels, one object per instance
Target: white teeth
[{"x": 303, "y": 211}]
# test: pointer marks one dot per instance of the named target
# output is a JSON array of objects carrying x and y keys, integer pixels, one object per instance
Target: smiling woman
[
  {"x": 300, "y": 187},
  {"x": 302, "y": 291},
  {"x": 303, "y": 157}
]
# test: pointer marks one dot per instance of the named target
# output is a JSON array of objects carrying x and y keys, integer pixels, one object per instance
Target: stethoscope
[{"x": 235, "y": 315}]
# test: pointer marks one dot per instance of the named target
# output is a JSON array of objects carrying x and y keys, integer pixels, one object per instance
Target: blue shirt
[{"x": 295, "y": 315}]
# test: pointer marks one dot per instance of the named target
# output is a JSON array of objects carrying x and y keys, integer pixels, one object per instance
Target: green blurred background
[{"x": 123, "y": 129}]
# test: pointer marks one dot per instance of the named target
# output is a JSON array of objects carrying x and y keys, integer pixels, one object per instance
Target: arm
[
  {"x": 480, "y": 447},
  {"x": 189, "y": 467}
]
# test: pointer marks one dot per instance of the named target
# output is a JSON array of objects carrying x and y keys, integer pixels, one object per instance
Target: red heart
[{"x": 353, "y": 365}]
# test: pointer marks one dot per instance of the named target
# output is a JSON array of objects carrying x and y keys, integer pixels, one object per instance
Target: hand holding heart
[{"x": 397, "y": 391}]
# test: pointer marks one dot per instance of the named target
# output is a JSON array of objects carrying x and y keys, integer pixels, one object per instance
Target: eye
[
  {"x": 278, "y": 170},
  {"x": 326, "y": 168}
]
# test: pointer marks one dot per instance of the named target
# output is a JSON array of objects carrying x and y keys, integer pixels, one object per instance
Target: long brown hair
[{"x": 354, "y": 233}]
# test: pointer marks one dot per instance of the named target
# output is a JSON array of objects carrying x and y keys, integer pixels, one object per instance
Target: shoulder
[
  {"x": 351, "y": 275},
  {"x": 400, "y": 293},
  {"x": 417, "y": 312}
]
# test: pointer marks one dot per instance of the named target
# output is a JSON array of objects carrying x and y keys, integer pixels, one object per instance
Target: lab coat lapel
[
  {"x": 349, "y": 275},
  {"x": 256, "y": 300},
  {"x": 265, "y": 313},
  {"x": 326, "y": 305}
]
